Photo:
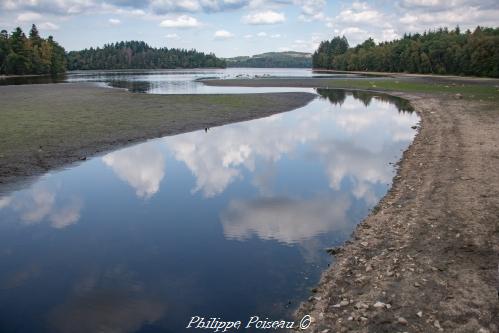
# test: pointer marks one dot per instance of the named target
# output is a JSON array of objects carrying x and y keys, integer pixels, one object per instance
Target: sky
[{"x": 239, "y": 27}]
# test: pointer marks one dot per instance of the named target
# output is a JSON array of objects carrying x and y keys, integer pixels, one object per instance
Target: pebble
[
  {"x": 361, "y": 305},
  {"x": 364, "y": 244},
  {"x": 379, "y": 305},
  {"x": 437, "y": 325},
  {"x": 420, "y": 314},
  {"x": 369, "y": 268},
  {"x": 344, "y": 303},
  {"x": 402, "y": 320}
]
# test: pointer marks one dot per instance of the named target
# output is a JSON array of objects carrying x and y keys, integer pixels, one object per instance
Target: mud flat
[
  {"x": 46, "y": 126},
  {"x": 426, "y": 258}
]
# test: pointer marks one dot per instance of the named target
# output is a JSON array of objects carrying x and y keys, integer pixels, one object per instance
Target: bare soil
[{"x": 426, "y": 259}]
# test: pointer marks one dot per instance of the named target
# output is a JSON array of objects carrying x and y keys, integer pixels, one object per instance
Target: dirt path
[{"x": 426, "y": 259}]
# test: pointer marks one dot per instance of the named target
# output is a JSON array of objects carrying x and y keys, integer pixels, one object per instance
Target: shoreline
[
  {"x": 47, "y": 127},
  {"x": 425, "y": 258}
]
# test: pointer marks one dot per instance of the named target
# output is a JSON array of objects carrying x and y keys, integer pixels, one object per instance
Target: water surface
[
  {"x": 178, "y": 81},
  {"x": 228, "y": 222}
]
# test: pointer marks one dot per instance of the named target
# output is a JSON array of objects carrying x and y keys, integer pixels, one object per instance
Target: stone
[
  {"x": 402, "y": 320},
  {"x": 379, "y": 305},
  {"x": 344, "y": 303},
  {"x": 419, "y": 314}
]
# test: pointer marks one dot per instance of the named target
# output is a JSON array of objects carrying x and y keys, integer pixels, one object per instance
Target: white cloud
[
  {"x": 172, "y": 36},
  {"x": 5, "y": 202},
  {"x": 67, "y": 215},
  {"x": 114, "y": 21},
  {"x": 265, "y": 17},
  {"x": 142, "y": 167},
  {"x": 262, "y": 34},
  {"x": 311, "y": 10},
  {"x": 222, "y": 34},
  {"x": 48, "y": 26},
  {"x": 41, "y": 204},
  {"x": 283, "y": 219},
  {"x": 29, "y": 17},
  {"x": 275, "y": 36},
  {"x": 182, "y": 21},
  {"x": 248, "y": 36},
  {"x": 169, "y": 6}
]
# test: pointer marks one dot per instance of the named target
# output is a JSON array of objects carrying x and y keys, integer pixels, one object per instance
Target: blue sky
[{"x": 239, "y": 27}]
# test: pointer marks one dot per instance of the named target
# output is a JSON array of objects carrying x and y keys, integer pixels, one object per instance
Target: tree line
[
  {"x": 434, "y": 52},
  {"x": 139, "y": 55},
  {"x": 22, "y": 55},
  {"x": 32, "y": 54}
]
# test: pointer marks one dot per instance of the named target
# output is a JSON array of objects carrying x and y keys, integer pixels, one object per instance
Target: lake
[
  {"x": 227, "y": 222},
  {"x": 178, "y": 81}
]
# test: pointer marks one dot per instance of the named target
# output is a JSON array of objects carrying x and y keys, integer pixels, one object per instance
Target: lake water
[
  {"x": 229, "y": 222},
  {"x": 176, "y": 81}
]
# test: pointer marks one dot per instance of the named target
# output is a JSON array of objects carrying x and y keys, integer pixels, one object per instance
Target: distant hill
[{"x": 288, "y": 59}]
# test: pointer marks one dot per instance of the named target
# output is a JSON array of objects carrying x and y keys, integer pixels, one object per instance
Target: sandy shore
[
  {"x": 426, "y": 258},
  {"x": 47, "y": 126}
]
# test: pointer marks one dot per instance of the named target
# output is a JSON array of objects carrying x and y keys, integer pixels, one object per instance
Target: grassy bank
[
  {"x": 45, "y": 126},
  {"x": 469, "y": 89}
]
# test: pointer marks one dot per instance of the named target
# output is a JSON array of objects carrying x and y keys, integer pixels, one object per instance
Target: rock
[
  {"x": 402, "y": 320},
  {"x": 325, "y": 331},
  {"x": 369, "y": 268},
  {"x": 361, "y": 305},
  {"x": 420, "y": 314},
  {"x": 436, "y": 323},
  {"x": 363, "y": 319},
  {"x": 379, "y": 305},
  {"x": 333, "y": 250},
  {"x": 458, "y": 96},
  {"x": 414, "y": 127},
  {"x": 417, "y": 285},
  {"x": 344, "y": 303},
  {"x": 364, "y": 244}
]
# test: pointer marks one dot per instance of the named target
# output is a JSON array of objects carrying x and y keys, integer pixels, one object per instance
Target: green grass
[{"x": 473, "y": 91}]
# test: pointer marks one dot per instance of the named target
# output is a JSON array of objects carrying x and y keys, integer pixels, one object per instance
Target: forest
[
  {"x": 139, "y": 55},
  {"x": 441, "y": 51},
  {"x": 287, "y": 59},
  {"x": 24, "y": 55}
]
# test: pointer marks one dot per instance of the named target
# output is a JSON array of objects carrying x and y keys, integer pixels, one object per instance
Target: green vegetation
[
  {"x": 473, "y": 91},
  {"x": 437, "y": 52},
  {"x": 43, "y": 126},
  {"x": 21, "y": 55},
  {"x": 469, "y": 88},
  {"x": 139, "y": 55},
  {"x": 288, "y": 59}
]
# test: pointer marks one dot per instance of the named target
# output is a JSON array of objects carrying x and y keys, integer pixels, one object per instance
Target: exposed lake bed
[
  {"x": 236, "y": 217},
  {"x": 386, "y": 262},
  {"x": 425, "y": 259}
]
